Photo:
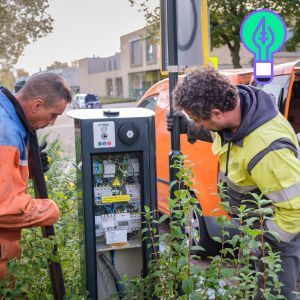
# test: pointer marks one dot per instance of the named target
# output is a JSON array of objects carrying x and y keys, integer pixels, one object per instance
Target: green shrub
[
  {"x": 230, "y": 275},
  {"x": 172, "y": 274}
]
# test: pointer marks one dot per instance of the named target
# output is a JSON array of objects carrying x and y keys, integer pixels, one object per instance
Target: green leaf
[
  {"x": 182, "y": 261},
  {"x": 195, "y": 269},
  {"x": 196, "y": 296},
  {"x": 217, "y": 239},
  {"x": 164, "y": 236},
  {"x": 187, "y": 286},
  {"x": 173, "y": 183},
  {"x": 270, "y": 297},
  {"x": 197, "y": 248},
  {"x": 255, "y": 233},
  {"x": 163, "y": 218}
]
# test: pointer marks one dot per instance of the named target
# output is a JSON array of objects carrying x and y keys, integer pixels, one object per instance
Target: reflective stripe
[
  {"x": 282, "y": 143},
  {"x": 284, "y": 235},
  {"x": 23, "y": 163},
  {"x": 286, "y": 194},
  {"x": 237, "y": 188}
]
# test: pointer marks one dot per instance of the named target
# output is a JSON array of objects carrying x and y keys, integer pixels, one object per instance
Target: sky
[{"x": 82, "y": 28}]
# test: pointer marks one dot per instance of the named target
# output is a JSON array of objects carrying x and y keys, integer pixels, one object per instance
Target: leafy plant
[
  {"x": 230, "y": 275},
  {"x": 173, "y": 273}
]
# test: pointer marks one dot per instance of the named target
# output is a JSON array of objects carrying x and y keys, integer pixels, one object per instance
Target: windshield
[
  {"x": 90, "y": 98},
  {"x": 275, "y": 86}
]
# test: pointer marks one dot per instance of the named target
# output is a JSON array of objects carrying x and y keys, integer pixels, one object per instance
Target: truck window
[
  {"x": 294, "y": 107},
  {"x": 275, "y": 87},
  {"x": 150, "y": 102}
]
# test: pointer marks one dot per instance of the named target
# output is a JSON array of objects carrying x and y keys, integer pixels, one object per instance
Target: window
[
  {"x": 150, "y": 102},
  {"x": 275, "y": 88},
  {"x": 119, "y": 87},
  {"x": 109, "y": 87},
  {"x": 136, "y": 53},
  {"x": 108, "y": 64},
  {"x": 150, "y": 52}
]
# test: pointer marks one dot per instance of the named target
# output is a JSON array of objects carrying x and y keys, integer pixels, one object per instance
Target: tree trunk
[{"x": 235, "y": 55}]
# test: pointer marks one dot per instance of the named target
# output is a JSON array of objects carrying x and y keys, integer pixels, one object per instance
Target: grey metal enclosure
[{"x": 116, "y": 174}]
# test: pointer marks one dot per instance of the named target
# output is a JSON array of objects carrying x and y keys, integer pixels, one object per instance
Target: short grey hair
[{"x": 48, "y": 86}]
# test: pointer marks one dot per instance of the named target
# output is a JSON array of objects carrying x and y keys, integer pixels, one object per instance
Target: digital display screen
[{"x": 123, "y": 223}]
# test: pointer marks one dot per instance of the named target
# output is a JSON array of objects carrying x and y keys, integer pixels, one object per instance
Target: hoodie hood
[{"x": 257, "y": 107}]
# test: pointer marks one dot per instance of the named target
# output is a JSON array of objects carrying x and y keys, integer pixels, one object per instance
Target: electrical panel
[
  {"x": 117, "y": 200},
  {"x": 116, "y": 180}
]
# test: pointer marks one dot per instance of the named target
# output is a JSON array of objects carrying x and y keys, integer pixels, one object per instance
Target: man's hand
[
  {"x": 183, "y": 121},
  {"x": 44, "y": 157}
]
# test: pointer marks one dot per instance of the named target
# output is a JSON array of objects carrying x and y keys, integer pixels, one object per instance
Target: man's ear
[
  {"x": 216, "y": 113},
  {"x": 37, "y": 104}
]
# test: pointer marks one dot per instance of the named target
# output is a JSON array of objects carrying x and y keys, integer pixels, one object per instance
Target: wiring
[{"x": 120, "y": 288}]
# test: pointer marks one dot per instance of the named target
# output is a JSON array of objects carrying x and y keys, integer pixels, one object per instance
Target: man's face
[
  {"x": 215, "y": 123},
  {"x": 40, "y": 116}
]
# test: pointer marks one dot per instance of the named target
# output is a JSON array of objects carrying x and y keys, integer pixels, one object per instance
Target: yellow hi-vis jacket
[{"x": 265, "y": 161}]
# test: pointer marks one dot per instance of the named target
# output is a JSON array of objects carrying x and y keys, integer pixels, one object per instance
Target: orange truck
[{"x": 286, "y": 89}]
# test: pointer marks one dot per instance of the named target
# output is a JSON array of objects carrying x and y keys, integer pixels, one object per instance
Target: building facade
[{"x": 127, "y": 74}]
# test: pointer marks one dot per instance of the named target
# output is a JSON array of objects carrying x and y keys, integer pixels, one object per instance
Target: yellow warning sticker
[
  {"x": 116, "y": 182},
  {"x": 118, "y": 198}
]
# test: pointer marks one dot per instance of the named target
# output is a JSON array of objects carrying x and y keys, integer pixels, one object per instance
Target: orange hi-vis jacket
[{"x": 18, "y": 209}]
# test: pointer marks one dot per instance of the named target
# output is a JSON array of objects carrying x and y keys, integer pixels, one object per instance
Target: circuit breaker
[{"x": 116, "y": 171}]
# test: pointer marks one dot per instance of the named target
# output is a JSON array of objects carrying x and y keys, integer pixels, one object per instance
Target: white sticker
[
  {"x": 116, "y": 236},
  {"x": 108, "y": 224},
  {"x": 104, "y": 134},
  {"x": 123, "y": 217},
  {"x": 98, "y": 219}
]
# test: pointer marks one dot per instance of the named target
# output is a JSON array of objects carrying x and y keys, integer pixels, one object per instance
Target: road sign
[{"x": 192, "y": 34}]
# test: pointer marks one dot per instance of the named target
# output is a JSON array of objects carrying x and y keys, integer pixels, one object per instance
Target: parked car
[
  {"x": 86, "y": 101},
  {"x": 285, "y": 87}
]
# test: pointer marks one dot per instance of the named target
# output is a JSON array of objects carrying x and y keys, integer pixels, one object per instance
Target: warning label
[
  {"x": 118, "y": 198},
  {"x": 116, "y": 182}
]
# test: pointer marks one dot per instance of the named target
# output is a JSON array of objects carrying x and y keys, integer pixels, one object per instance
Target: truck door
[
  {"x": 293, "y": 106},
  {"x": 279, "y": 88}
]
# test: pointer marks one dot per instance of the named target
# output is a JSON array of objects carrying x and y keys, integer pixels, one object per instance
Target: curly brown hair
[{"x": 203, "y": 90}]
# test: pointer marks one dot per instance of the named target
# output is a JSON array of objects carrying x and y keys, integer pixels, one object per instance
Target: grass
[{"x": 108, "y": 100}]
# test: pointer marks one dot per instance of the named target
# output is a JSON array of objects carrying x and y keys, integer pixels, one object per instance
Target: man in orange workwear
[{"x": 36, "y": 105}]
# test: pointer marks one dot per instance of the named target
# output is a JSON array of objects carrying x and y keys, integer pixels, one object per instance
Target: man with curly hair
[{"x": 257, "y": 150}]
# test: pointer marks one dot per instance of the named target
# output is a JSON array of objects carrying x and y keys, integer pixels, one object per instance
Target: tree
[
  {"x": 21, "y": 73},
  {"x": 58, "y": 65},
  {"x": 21, "y": 22},
  {"x": 75, "y": 63},
  {"x": 226, "y": 17},
  {"x": 7, "y": 78}
]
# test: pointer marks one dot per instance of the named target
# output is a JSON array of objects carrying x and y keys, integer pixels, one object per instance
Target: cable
[
  {"x": 100, "y": 273},
  {"x": 189, "y": 43},
  {"x": 117, "y": 278}
]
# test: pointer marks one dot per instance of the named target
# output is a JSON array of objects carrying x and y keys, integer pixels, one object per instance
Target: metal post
[
  {"x": 173, "y": 66},
  {"x": 173, "y": 77}
]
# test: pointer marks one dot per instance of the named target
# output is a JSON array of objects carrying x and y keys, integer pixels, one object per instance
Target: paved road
[{"x": 64, "y": 129}]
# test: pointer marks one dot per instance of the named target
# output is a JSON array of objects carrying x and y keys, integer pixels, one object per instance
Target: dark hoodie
[{"x": 257, "y": 107}]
